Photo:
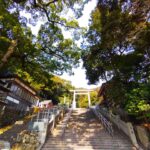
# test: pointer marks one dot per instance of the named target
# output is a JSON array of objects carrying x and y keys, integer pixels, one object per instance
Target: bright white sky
[{"x": 79, "y": 77}]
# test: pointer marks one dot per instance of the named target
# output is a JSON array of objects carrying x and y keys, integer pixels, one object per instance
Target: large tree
[
  {"x": 16, "y": 35},
  {"x": 48, "y": 52},
  {"x": 115, "y": 28},
  {"x": 116, "y": 47},
  {"x": 37, "y": 58}
]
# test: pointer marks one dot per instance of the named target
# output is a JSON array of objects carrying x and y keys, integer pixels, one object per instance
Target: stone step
[
  {"x": 79, "y": 138},
  {"x": 91, "y": 147},
  {"x": 85, "y": 132},
  {"x": 88, "y": 144},
  {"x": 83, "y": 148},
  {"x": 88, "y": 141},
  {"x": 98, "y": 146}
]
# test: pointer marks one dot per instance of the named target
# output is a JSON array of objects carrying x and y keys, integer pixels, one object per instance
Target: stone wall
[
  {"x": 143, "y": 136},
  {"x": 26, "y": 141}
]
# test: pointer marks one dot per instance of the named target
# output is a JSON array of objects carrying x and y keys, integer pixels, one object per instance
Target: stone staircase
[{"x": 85, "y": 132}]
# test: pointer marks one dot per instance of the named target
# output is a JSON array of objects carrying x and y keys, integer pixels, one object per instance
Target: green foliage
[
  {"x": 117, "y": 51},
  {"x": 36, "y": 59},
  {"x": 48, "y": 86},
  {"x": 50, "y": 10},
  {"x": 94, "y": 98},
  {"x": 136, "y": 106},
  {"x": 113, "y": 37},
  {"x": 115, "y": 93},
  {"x": 82, "y": 100},
  {"x": 137, "y": 102},
  {"x": 57, "y": 54},
  {"x": 49, "y": 51}
]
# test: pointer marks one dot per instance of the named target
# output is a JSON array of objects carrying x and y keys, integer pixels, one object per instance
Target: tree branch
[
  {"x": 43, "y": 7},
  {"x": 54, "y": 21},
  {"x": 53, "y": 53},
  {"x": 9, "y": 53},
  {"x": 51, "y": 2}
]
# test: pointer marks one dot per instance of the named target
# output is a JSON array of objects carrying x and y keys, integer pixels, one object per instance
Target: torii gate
[{"x": 80, "y": 92}]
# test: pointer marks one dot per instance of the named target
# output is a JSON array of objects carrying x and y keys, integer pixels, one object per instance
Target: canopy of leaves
[
  {"x": 113, "y": 37},
  {"x": 50, "y": 51},
  {"x": 116, "y": 47},
  {"x": 37, "y": 58},
  {"x": 50, "y": 10}
]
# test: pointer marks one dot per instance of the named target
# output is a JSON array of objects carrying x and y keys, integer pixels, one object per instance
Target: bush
[{"x": 137, "y": 104}]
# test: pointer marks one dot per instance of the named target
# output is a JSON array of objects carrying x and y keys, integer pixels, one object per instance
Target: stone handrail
[
  {"x": 105, "y": 122},
  {"x": 126, "y": 127}
]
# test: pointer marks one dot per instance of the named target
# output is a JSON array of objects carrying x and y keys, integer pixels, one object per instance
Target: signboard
[{"x": 12, "y": 99}]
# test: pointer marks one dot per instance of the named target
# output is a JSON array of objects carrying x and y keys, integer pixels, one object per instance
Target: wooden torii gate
[{"x": 80, "y": 92}]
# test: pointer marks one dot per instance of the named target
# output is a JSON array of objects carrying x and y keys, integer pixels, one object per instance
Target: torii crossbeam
[{"x": 80, "y": 92}]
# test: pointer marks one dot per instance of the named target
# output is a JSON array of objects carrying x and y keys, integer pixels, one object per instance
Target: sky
[{"x": 79, "y": 77}]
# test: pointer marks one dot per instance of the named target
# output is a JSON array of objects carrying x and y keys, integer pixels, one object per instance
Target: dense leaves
[
  {"x": 82, "y": 100},
  {"x": 50, "y": 51},
  {"x": 37, "y": 58},
  {"x": 50, "y": 10},
  {"x": 48, "y": 86},
  {"x": 116, "y": 49}
]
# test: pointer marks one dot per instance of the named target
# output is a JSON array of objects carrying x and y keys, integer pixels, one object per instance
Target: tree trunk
[{"x": 9, "y": 52}]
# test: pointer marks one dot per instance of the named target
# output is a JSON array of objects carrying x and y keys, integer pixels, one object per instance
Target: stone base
[
  {"x": 4, "y": 145},
  {"x": 143, "y": 136},
  {"x": 26, "y": 141}
]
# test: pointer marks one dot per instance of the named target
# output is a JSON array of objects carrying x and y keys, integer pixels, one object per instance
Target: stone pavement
[{"x": 85, "y": 132}]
